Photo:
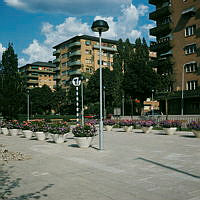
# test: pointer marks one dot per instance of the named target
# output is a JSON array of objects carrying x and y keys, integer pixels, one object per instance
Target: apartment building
[
  {"x": 177, "y": 45},
  {"x": 80, "y": 55},
  {"x": 39, "y": 74}
]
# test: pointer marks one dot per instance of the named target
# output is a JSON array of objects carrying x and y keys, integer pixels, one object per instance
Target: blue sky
[{"x": 35, "y": 26}]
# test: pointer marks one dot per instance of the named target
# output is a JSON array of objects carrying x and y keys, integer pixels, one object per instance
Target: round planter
[
  {"x": 128, "y": 128},
  {"x": 170, "y": 131},
  {"x": 58, "y": 138},
  {"x": 147, "y": 129},
  {"x": 40, "y": 135},
  {"x": 20, "y": 132},
  {"x": 5, "y": 131},
  {"x": 0, "y": 131},
  {"x": 83, "y": 142},
  {"x": 196, "y": 133},
  {"x": 13, "y": 132},
  {"x": 28, "y": 134},
  {"x": 108, "y": 127}
]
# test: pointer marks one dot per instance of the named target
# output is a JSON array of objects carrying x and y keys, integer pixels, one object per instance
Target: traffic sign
[{"x": 76, "y": 81}]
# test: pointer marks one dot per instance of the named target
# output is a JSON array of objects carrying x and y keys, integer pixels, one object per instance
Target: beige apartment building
[
  {"x": 39, "y": 74},
  {"x": 80, "y": 55},
  {"x": 177, "y": 45}
]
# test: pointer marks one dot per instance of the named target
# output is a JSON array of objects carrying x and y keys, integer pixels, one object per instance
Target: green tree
[
  {"x": 41, "y": 100},
  {"x": 12, "y": 87}
]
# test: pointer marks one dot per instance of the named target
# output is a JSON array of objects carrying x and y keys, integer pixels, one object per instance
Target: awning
[
  {"x": 188, "y": 10},
  {"x": 191, "y": 62}
]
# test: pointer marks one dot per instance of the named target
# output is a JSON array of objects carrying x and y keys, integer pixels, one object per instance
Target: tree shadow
[{"x": 7, "y": 185}]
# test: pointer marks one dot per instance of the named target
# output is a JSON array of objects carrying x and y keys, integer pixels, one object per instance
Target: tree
[
  {"x": 41, "y": 100},
  {"x": 12, "y": 86}
]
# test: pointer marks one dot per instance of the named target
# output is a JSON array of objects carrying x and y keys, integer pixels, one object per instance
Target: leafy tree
[
  {"x": 12, "y": 87},
  {"x": 41, "y": 100}
]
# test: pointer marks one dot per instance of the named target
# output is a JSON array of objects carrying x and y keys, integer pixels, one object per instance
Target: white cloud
[
  {"x": 71, "y": 7},
  {"x": 142, "y": 10},
  {"x": 124, "y": 26},
  {"x": 146, "y": 27},
  {"x": 2, "y": 49}
]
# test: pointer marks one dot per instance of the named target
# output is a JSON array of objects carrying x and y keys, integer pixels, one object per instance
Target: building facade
[
  {"x": 80, "y": 55},
  {"x": 177, "y": 45},
  {"x": 39, "y": 74}
]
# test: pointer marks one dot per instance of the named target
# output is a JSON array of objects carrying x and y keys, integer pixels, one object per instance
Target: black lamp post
[{"x": 100, "y": 26}]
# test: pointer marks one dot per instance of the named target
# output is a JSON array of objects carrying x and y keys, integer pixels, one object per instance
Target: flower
[
  {"x": 87, "y": 130},
  {"x": 59, "y": 128},
  {"x": 147, "y": 123},
  {"x": 109, "y": 122},
  {"x": 128, "y": 122},
  {"x": 26, "y": 125},
  {"x": 194, "y": 125},
  {"x": 170, "y": 123}
]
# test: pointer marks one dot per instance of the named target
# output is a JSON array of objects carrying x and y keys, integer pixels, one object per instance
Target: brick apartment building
[
  {"x": 177, "y": 33},
  {"x": 80, "y": 54},
  {"x": 39, "y": 74}
]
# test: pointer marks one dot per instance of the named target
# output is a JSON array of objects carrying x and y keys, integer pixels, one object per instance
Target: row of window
[{"x": 192, "y": 85}]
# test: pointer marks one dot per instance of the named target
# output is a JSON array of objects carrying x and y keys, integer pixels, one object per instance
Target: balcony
[
  {"x": 75, "y": 53},
  {"x": 159, "y": 13},
  {"x": 161, "y": 46},
  {"x": 74, "y": 44},
  {"x": 32, "y": 81},
  {"x": 189, "y": 11},
  {"x": 57, "y": 77},
  {"x": 74, "y": 63},
  {"x": 106, "y": 48},
  {"x": 57, "y": 60},
  {"x": 163, "y": 29},
  {"x": 56, "y": 69},
  {"x": 74, "y": 72},
  {"x": 49, "y": 71},
  {"x": 57, "y": 52},
  {"x": 160, "y": 63},
  {"x": 156, "y": 2}
]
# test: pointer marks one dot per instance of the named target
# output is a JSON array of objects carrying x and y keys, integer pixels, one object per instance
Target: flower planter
[
  {"x": 40, "y": 135},
  {"x": 5, "y": 131},
  {"x": 146, "y": 129},
  {"x": 58, "y": 138},
  {"x": 196, "y": 133},
  {"x": 13, "y": 132},
  {"x": 108, "y": 127},
  {"x": 83, "y": 142},
  {"x": 28, "y": 134},
  {"x": 20, "y": 132},
  {"x": 128, "y": 128},
  {"x": 170, "y": 131}
]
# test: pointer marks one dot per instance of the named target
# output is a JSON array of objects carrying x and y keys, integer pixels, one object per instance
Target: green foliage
[{"x": 12, "y": 86}]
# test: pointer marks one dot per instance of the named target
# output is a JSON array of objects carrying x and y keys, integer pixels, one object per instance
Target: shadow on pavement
[
  {"x": 7, "y": 185},
  {"x": 168, "y": 167}
]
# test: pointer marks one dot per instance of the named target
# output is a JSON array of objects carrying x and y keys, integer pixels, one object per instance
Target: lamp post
[
  {"x": 152, "y": 102},
  {"x": 104, "y": 102},
  {"x": 100, "y": 26},
  {"x": 82, "y": 109},
  {"x": 182, "y": 88},
  {"x": 27, "y": 105}
]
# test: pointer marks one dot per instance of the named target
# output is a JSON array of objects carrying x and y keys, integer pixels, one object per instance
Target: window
[
  {"x": 34, "y": 67},
  {"x": 88, "y": 61},
  {"x": 192, "y": 85},
  {"x": 88, "y": 51},
  {"x": 64, "y": 55},
  {"x": 189, "y": 49},
  {"x": 87, "y": 43},
  {"x": 191, "y": 67},
  {"x": 64, "y": 64},
  {"x": 190, "y": 30}
]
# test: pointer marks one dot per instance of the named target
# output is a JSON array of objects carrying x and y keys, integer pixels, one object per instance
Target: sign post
[{"x": 76, "y": 82}]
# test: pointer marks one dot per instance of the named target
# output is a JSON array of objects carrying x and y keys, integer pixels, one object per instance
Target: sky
[{"x": 35, "y": 26}]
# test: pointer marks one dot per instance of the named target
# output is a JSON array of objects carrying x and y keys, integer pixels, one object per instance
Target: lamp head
[{"x": 100, "y": 26}]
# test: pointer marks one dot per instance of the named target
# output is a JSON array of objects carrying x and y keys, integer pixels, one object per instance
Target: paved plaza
[{"x": 133, "y": 166}]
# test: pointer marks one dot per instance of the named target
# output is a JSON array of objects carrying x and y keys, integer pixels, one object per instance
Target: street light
[
  {"x": 152, "y": 103},
  {"x": 28, "y": 105},
  {"x": 182, "y": 88},
  {"x": 100, "y": 26},
  {"x": 104, "y": 102}
]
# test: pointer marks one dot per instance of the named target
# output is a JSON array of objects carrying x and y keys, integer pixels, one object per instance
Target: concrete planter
[
  {"x": 28, "y": 134},
  {"x": 146, "y": 129},
  {"x": 170, "y": 131},
  {"x": 108, "y": 127},
  {"x": 5, "y": 131},
  {"x": 58, "y": 138},
  {"x": 196, "y": 133},
  {"x": 13, "y": 132},
  {"x": 83, "y": 142},
  {"x": 40, "y": 135},
  {"x": 128, "y": 128}
]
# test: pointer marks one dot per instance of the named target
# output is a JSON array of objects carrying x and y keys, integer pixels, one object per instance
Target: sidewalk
[{"x": 133, "y": 166}]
